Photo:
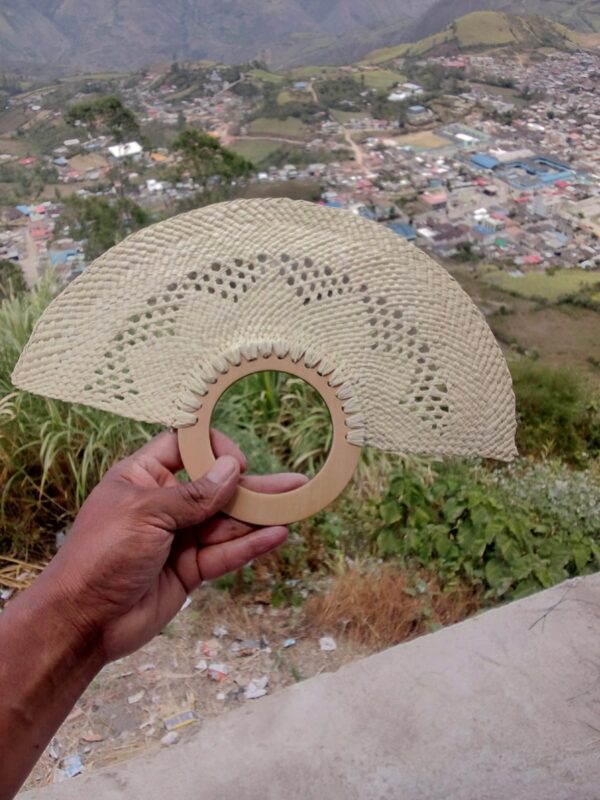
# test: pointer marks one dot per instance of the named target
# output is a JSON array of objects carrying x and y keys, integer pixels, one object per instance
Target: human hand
[{"x": 142, "y": 542}]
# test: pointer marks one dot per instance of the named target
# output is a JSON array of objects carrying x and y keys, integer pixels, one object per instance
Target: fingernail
[{"x": 223, "y": 469}]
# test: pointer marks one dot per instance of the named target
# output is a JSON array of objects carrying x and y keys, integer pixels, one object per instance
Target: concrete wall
[{"x": 504, "y": 706}]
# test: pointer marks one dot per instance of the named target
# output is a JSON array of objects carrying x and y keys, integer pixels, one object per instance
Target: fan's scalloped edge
[{"x": 200, "y": 380}]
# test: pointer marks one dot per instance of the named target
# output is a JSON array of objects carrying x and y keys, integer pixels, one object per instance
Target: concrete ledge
[{"x": 506, "y": 705}]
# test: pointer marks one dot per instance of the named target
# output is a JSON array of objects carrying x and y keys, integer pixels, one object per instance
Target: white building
[{"x": 131, "y": 150}]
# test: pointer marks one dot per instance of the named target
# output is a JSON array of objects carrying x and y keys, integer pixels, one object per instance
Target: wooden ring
[{"x": 275, "y": 509}]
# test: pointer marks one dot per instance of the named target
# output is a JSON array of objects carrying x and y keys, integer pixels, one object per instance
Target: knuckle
[
  {"x": 198, "y": 493},
  {"x": 138, "y": 503}
]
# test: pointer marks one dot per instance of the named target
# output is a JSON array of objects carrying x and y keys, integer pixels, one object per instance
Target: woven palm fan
[{"x": 159, "y": 326}]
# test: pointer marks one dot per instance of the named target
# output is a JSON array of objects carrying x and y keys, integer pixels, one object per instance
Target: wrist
[
  {"x": 45, "y": 666},
  {"x": 64, "y": 633}
]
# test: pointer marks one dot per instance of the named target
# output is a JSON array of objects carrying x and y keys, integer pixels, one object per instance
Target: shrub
[
  {"x": 558, "y": 413},
  {"x": 470, "y": 526},
  {"x": 51, "y": 453},
  {"x": 381, "y": 606}
]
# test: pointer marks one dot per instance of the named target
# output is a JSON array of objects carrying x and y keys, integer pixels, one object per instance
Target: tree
[
  {"x": 207, "y": 160},
  {"x": 102, "y": 224},
  {"x": 106, "y": 114},
  {"x": 12, "y": 280}
]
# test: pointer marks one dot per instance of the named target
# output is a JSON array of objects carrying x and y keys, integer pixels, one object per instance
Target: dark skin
[{"x": 140, "y": 544}]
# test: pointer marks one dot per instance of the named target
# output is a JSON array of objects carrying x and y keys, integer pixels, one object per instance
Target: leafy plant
[
  {"x": 101, "y": 223},
  {"x": 106, "y": 114},
  {"x": 205, "y": 157},
  {"x": 453, "y": 518},
  {"x": 12, "y": 280},
  {"x": 558, "y": 413},
  {"x": 51, "y": 454}
]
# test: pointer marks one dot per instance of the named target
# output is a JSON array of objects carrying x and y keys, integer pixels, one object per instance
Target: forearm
[{"x": 45, "y": 665}]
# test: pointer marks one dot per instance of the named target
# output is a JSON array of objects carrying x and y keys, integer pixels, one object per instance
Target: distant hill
[
  {"x": 124, "y": 34},
  {"x": 485, "y": 30},
  {"x": 84, "y": 35}
]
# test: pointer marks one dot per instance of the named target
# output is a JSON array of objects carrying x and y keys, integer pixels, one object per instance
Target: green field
[
  {"x": 255, "y": 150},
  {"x": 288, "y": 127},
  {"x": 382, "y": 79},
  {"x": 265, "y": 76},
  {"x": 16, "y": 147},
  {"x": 305, "y": 73},
  {"x": 346, "y": 116},
  {"x": 288, "y": 96},
  {"x": 540, "y": 286},
  {"x": 485, "y": 29}
]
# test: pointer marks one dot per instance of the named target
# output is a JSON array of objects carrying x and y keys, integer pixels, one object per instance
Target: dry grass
[
  {"x": 16, "y": 574},
  {"x": 383, "y": 606}
]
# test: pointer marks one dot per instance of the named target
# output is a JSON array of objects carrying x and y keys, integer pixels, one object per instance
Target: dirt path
[
  {"x": 223, "y": 134},
  {"x": 30, "y": 262},
  {"x": 270, "y": 139},
  {"x": 359, "y": 155},
  {"x": 129, "y": 707}
]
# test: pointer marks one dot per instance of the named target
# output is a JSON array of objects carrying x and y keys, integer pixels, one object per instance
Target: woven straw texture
[{"x": 148, "y": 327}]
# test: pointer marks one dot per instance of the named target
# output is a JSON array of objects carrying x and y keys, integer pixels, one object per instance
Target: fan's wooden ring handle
[{"x": 275, "y": 509}]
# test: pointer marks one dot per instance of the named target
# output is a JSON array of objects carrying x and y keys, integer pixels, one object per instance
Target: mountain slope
[
  {"x": 581, "y": 15},
  {"x": 123, "y": 34},
  {"x": 485, "y": 29},
  {"x": 128, "y": 33}
]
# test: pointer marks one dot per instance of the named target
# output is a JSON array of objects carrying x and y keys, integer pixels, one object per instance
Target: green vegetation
[
  {"x": 265, "y": 76},
  {"x": 484, "y": 30},
  {"x": 106, "y": 114},
  {"x": 255, "y": 150},
  {"x": 22, "y": 184},
  {"x": 286, "y": 96},
  {"x": 495, "y": 532},
  {"x": 472, "y": 527},
  {"x": 558, "y": 414},
  {"x": 346, "y": 116},
  {"x": 12, "y": 280},
  {"x": 288, "y": 425},
  {"x": 289, "y": 127},
  {"x": 51, "y": 454},
  {"x": 47, "y": 134},
  {"x": 100, "y": 223},
  {"x": 381, "y": 79},
  {"x": 207, "y": 160},
  {"x": 549, "y": 286},
  {"x": 309, "y": 72},
  {"x": 343, "y": 93}
]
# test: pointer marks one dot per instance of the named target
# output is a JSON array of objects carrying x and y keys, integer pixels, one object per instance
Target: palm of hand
[{"x": 143, "y": 541}]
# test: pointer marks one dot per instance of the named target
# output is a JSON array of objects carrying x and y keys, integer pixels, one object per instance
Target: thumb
[{"x": 189, "y": 504}]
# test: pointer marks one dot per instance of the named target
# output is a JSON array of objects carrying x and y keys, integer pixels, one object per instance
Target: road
[
  {"x": 30, "y": 262},
  {"x": 359, "y": 155}
]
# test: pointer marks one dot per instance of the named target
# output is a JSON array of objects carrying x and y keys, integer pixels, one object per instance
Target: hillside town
[{"x": 497, "y": 162}]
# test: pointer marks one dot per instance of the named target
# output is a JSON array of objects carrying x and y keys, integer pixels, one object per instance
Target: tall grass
[
  {"x": 51, "y": 453},
  {"x": 279, "y": 420}
]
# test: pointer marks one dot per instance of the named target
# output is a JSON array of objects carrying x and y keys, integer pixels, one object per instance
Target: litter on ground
[
  {"x": 257, "y": 688},
  {"x": 327, "y": 644}
]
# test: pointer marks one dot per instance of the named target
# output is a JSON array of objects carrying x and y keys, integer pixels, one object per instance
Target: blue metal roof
[
  {"x": 403, "y": 229},
  {"x": 484, "y": 161}
]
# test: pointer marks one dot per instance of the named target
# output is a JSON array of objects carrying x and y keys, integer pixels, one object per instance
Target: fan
[{"x": 160, "y": 325}]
